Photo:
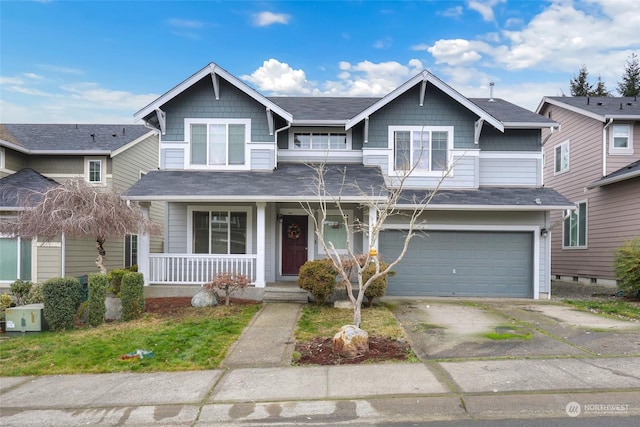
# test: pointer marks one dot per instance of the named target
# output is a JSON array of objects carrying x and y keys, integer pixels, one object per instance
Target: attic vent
[
  {"x": 621, "y": 105},
  {"x": 629, "y": 103},
  {"x": 599, "y": 103},
  {"x": 114, "y": 135},
  {"x": 491, "y": 85}
]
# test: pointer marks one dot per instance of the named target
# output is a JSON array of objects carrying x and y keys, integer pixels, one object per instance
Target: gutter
[
  {"x": 604, "y": 146},
  {"x": 276, "y": 143}
]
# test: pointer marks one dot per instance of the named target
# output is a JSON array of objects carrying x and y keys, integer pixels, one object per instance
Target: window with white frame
[
  {"x": 220, "y": 231},
  {"x": 425, "y": 148},
  {"x": 335, "y": 232},
  {"x": 130, "y": 250},
  {"x": 15, "y": 259},
  {"x": 561, "y": 158},
  {"x": 218, "y": 142},
  {"x": 94, "y": 171},
  {"x": 575, "y": 227},
  {"x": 319, "y": 141},
  {"x": 621, "y": 139}
]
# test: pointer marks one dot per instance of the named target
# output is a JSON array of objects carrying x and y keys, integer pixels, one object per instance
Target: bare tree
[
  {"x": 78, "y": 210},
  {"x": 384, "y": 202}
]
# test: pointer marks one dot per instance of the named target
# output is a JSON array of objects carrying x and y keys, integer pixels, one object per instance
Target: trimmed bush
[
  {"x": 626, "y": 264},
  {"x": 97, "y": 293},
  {"x": 20, "y": 289},
  {"x": 61, "y": 297},
  {"x": 319, "y": 278},
  {"x": 115, "y": 281},
  {"x": 377, "y": 288},
  {"x": 132, "y": 296},
  {"x": 35, "y": 294}
]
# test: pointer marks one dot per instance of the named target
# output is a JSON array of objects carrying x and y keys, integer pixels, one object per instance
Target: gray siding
[
  {"x": 615, "y": 162},
  {"x": 199, "y": 102},
  {"x": 172, "y": 158},
  {"x": 492, "y": 139},
  {"x": 80, "y": 256},
  {"x": 263, "y": 159},
  {"x": 14, "y": 160},
  {"x": 176, "y": 233},
  {"x": 509, "y": 172},
  {"x": 69, "y": 165},
  {"x": 49, "y": 263},
  {"x": 438, "y": 110}
]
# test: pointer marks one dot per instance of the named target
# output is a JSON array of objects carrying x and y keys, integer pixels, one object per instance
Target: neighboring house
[
  {"x": 35, "y": 157},
  {"x": 594, "y": 160},
  {"x": 233, "y": 173}
]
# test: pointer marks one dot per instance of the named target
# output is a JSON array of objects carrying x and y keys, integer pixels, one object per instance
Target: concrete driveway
[{"x": 451, "y": 328}]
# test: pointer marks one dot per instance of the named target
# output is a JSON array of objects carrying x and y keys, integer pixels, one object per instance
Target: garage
[{"x": 461, "y": 263}]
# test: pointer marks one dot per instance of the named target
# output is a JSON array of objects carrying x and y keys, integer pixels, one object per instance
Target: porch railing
[{"x": 196, "y": 269}]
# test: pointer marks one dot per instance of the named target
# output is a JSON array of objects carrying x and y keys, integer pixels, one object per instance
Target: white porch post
[
  {"x": 373, "y": 217},
  {"x": 143, "y": 248},
  {"x": 260, "y": 239}
]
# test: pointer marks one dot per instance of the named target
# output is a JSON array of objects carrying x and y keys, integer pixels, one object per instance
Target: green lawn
[
  {"x": 619, "y": 309},
  {"x": 196, "y": 338}
]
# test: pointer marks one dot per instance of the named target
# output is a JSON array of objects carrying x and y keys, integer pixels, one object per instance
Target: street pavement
[{"x": 462, "y": 376}]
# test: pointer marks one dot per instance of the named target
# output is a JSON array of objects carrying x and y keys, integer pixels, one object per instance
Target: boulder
[
  {"x": 113, "y": 307},
  {"x": 204, "y": 299},
  {"x": 350, "y": 342}
]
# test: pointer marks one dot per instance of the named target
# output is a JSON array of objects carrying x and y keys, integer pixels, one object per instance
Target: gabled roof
[
  {"x": 511, "y": 115},
  {"x": 87, "y": 139},
  {"x": 211, "y": 70},
  {"x": 492, "y": 198},
  {"x": 22, "y": 187},
  {"x": 322, "y": 110},
  {"x": 290, "y": 181},
  {"x": 630, "y": 171},
  {"x": 599, "y": 108},
  {"x": 425, "y": 76}
]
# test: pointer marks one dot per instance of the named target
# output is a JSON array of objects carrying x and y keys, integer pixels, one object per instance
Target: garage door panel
[{"x": 461, "y": 263}]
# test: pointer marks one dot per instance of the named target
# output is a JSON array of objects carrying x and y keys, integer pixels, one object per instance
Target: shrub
[
  {"x": 319, "y": 278},
  {"x": 20, "y": 289},
  {"x": 61, "y": 297},
  {"x": 5, "y": 302},
  {"x": 132, "y": 296},
  {"x": 97, "y": 293},
  {"x": 377, "y": 288},
  {"x": 227, "y": 283},
  {"x": 626, "y": 264},
  {"x": 35, "y": 294},
  {"x": 115, "y": 281}
]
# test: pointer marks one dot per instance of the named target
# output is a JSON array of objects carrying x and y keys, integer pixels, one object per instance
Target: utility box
[{"x": 25, "y": 318}]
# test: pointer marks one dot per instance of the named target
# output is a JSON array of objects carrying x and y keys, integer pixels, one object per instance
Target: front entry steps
[{"x": 285, "y": 293}]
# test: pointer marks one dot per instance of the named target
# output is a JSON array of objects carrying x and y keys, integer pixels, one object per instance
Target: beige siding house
[
  {"x": 594, "y": 160},
  {"x": 33, "y": 157}
]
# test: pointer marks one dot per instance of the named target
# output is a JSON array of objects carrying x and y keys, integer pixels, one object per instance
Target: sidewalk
[{"x": 285, "y": 395}]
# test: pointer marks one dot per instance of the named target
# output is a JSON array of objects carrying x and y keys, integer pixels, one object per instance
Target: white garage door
[{"x": 461, "y": 263}]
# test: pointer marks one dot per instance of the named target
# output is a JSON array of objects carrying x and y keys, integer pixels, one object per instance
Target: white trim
[
  {"x": 537, "y": 155},
  {"x": 230, "y": 121},
  {"x": 621, "y": 151},
  {"x": 576, "y": 210},
  {"x": 214, "y": 70},
  {"x": 391, "y": 130},
  {"x": 330, "y": 130},
  {"x": 497, "y": 208},
  {"x": 103, "y": 169},
  {"x": 132, "y": 143},
  {"x": 565, "y": 143},
  {"x": 352, "y": 156},
  {"x": 419, "y": 78},
  {"x": 535, "y": 229},
  {"x": 265, "y": 198},
  {"x": 209, "y": 208},
  {"x": 569, "y": 107}
]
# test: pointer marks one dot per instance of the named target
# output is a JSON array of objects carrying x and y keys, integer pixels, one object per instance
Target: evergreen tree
[
  {"x": 601, "y": 89},
  {"x": 630, "y": 84},
  {"x": 579, "y": 84}
]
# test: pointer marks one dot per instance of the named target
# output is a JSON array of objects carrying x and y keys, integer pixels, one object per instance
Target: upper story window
[
  {"x": 218, "y": 142},
  {"x": 319, "y": 141},
  {"x": 561, "y": 158},
  {"x": 425, "y": 148},
  {"x": 621, "y": 141},
  {"x": 575, "y": 228},
  {"x": 94, "y": 169}
]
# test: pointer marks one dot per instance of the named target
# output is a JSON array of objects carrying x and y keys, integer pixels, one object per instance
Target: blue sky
[{"x": 101, "y": 61}]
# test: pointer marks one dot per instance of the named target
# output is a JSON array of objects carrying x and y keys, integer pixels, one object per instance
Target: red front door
[{"x": 294, "y": 244}]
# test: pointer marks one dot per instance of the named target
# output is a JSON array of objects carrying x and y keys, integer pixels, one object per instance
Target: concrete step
[{"x": 285, "y": 294}]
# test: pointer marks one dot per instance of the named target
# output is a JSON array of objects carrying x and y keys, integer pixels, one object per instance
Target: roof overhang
[
  {"x": 212, "y": 70},
  {"x": 613, "y": 179},
  {"x": 600, "y": 117},
  {"x": 454, "y": 207},
  {"x": 424, "y": 77},
  {"x": 530, "y": 125},
  {"x": 24, "y": 150},
  {"x": 205, "y": 198}
]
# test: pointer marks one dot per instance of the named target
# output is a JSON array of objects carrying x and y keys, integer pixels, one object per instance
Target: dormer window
[
  {"x": 424, "y": 148},
  {"x": 217, "y": 142},
  {"x": 621, "y": 139},
  {"x": 319, "y": 141}
]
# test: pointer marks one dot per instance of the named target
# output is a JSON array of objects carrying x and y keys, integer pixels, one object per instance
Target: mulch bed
[{"x": 320, "y": 352}]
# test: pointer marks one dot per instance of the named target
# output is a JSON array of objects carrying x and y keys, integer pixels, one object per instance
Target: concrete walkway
[{"x": 268, "y": 340}]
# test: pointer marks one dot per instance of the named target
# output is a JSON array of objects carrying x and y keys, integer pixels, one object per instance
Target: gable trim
[
  {"x": 132, "y": 143},
  {"x": 213, "y": 70},
  {"x": 577, "y": 110},
  {"x": 425, "y": 77}
]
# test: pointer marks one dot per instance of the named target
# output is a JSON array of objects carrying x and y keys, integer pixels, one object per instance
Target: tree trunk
[{"x": 101, "y": 255}]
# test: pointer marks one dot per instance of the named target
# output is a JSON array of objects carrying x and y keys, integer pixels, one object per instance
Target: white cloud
[
  {"x": 279, "y": 78},
  {"x": 60, "y": 69},
  {"x": 452, "y": 12},
  {"x": 485, "y": 8},
  {"x": 458, "y": 51},
  {"x": 384, "y": 43},
  {"x": 264, "y": 19}
]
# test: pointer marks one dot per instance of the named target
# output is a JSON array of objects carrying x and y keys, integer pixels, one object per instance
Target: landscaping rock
[
  {"x": 114, "y": 308},
  {"x": 344, "y": 304},
  {"x": 350, "y": 342},
  {"x": 204, "y": 299}
]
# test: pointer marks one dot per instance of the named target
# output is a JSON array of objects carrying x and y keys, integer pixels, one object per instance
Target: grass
[
  {"x": 194, "y": 339},
  {"x": 324, "y": 321},
  {"x": 509, "y": 332},
  {"x": 618, "y": 309}
]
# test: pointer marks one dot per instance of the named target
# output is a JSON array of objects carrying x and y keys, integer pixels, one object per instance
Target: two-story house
[
  {"x": 35, "y": 157},
  {"x": 234, "y": 172},
  {"x": 594, "y": 160}
]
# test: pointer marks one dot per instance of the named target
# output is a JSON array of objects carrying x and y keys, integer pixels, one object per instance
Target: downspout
[
  {"x": 604, "y": 147},
  {"x": 275, "y": 157},
  {"x": 546, "y": 138}
]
